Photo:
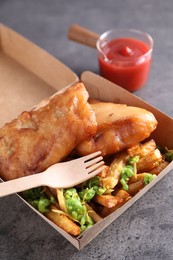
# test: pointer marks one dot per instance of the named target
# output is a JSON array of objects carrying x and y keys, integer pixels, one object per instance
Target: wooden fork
[{"x": 59, "y": 175}]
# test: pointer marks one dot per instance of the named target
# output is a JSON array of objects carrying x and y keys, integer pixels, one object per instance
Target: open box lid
[{"x": 28, "y": 74}]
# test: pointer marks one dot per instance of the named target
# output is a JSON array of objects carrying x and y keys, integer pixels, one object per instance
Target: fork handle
[{"x": 20, "y": 184}]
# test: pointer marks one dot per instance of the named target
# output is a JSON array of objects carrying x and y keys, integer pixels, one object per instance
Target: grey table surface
[{"x": 145, "y": 231}]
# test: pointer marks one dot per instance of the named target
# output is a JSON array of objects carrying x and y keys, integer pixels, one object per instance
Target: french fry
[
  {"x": 124, "y": 195},
  {"x": 138, "y": 177},
  {"x": 149, "y": 161},
  {"x": 114, "y": 172},
  {"x": 135, "y": 187},
  {"x": 63, "y": 222},
  {"x": 159, "y": 168},
  {"x": 95, "y": 217},
  {"x": 61, "y": 200},
  {"x": 107, "y": 200},
  {"x": 142, "y": 149}
]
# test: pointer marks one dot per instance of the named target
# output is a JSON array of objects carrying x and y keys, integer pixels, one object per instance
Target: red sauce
[{"x": 127, "y": 63}]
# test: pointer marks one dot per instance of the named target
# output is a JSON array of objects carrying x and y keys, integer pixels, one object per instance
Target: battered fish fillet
[
  {"x": 119, "y": 127},
  {"x": 39, "y": 138}
]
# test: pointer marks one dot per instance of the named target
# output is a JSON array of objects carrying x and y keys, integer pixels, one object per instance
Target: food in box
[{"x": 107, "y": 197}]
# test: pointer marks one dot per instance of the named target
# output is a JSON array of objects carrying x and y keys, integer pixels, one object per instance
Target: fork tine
[
  {"x": 90, "y": 156},
  {"x": 93, "y": 161},
  {"x": 97, "y": 171},
  {"x": 94, "y": 167}
]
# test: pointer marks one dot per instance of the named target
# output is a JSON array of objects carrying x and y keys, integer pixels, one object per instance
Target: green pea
[
  {"x": 74, "y": 214},
  {"x": 83, "y": 220},
  {"x": 87, "y": 194},
  {"x": 124, "y": 184},
  {"x": 134, "y": 160},
  {"x": 89, "y": 219},
  {"x": 84, "y": 209},
  {"x": 95, "y": 188},
  {"x": 43, "y": 205},
  {"x": 124, "y": 177},
  {"x": 82, "y": 193},
  {"x": 93, "y": 182},
  {"x": 69, "y": 193},
  {"x": 148, "y": 178},
  {"x": 74, "y": 205},
  {"x": 90, "y": 194},
  {"x": 83, "y": 228},
  {"x": 100, "y": 191},
  {"x": 79, "y": 217},
  {"x": 52, "y": 199},
  {"x": 76, "y": 196},
  {"x": 127, "y": 172},
  {"x": 34, "y": 203}
]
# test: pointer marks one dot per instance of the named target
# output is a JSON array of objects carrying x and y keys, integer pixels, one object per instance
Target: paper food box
[{"x": 28, "y": 75}]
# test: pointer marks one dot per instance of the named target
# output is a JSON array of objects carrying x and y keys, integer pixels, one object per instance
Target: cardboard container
[{"x": 28, "y": 74}]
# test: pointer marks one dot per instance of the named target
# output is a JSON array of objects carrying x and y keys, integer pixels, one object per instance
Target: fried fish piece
[
  {"x": 119, "y": 127},
  {"x": 39, "y": 138}
]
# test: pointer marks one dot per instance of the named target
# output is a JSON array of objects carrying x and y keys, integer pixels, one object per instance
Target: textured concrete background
[{"x": 145, "y": 231}]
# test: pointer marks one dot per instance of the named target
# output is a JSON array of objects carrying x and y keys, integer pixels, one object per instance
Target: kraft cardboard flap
[
  {"x": 28, "y": 74},
  {"x": 35, "y": 59}
]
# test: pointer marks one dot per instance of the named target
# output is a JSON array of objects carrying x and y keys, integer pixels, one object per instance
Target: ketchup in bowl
[{"x": 125, "y": 57}]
